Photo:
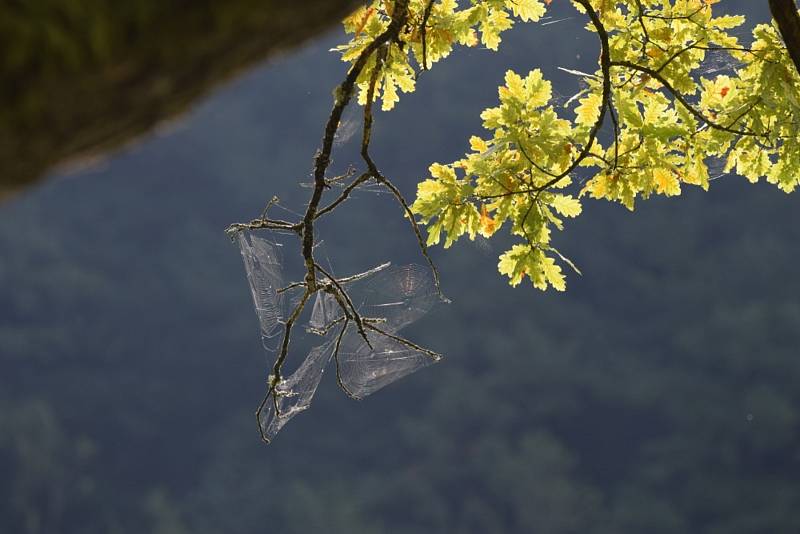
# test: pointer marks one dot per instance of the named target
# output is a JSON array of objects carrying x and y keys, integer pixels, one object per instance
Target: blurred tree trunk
[
  {"x": 81, "y": 77},
  {"x": 785, "y": 14}
]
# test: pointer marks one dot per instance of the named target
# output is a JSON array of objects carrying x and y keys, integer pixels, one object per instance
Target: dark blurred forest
[
  {"x": 660, "y": 394},
  {"x": 80, "y": 77}
]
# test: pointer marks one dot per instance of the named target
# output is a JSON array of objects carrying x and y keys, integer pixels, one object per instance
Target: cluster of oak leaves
[{"x": 746, "y": 119}]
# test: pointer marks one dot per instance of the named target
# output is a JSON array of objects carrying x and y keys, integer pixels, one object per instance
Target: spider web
[
  {"x": 388, "y": 298},
  {"x": 262, "y": 262}
]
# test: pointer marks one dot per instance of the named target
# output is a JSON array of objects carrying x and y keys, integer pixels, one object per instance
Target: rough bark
[{"x": 82, "y": 77}]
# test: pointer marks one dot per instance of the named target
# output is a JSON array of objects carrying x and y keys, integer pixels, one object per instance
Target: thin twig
[
  {"x": 336, "y": 361},
  {"x": 680, "y": 98},
  {"x": 424, "y": 28},
  {"x": 435, "y": 356},
  {"x": 345, "y": 303},
  {"x": 420, "y": 240}
]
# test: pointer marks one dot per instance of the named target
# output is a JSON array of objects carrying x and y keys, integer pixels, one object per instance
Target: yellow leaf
[
  {"x": 566, "y": 205},
  {"x": 477, "y": 144},
  {"x": 666, "y": 182},
  {"x": 507, "y": 266},
  {"x": 487, "y": 224},
  {"x": 355, "y": 23},
  {"x": 589, "y": 109},
  {"x": 471, "y": 39},
  {"x": 405, "y": 82},
  {"x": 553, "y": 274},
  {"x": 390, "y": 97},
  {"x": 539, "y": 90},
  {"x": 364, "y": 19},
  {"x": 597, "y": 187},
  {"x": 515, "y": 85},
  {"x": 526, "y": 9},
  {"x": 442, "y": 172},
  {"x": 497, "y": 21},
  {"x": 430, "y": 188}
]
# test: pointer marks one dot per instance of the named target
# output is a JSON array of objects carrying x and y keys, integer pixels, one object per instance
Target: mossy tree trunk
[{"x": 81, "y": 77}]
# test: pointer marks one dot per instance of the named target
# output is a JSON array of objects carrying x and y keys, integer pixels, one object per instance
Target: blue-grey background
[{"x": 659, "y": 394}]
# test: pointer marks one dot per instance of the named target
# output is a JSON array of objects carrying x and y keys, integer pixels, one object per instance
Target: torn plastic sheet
[{"x": 388, "y": 298}]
